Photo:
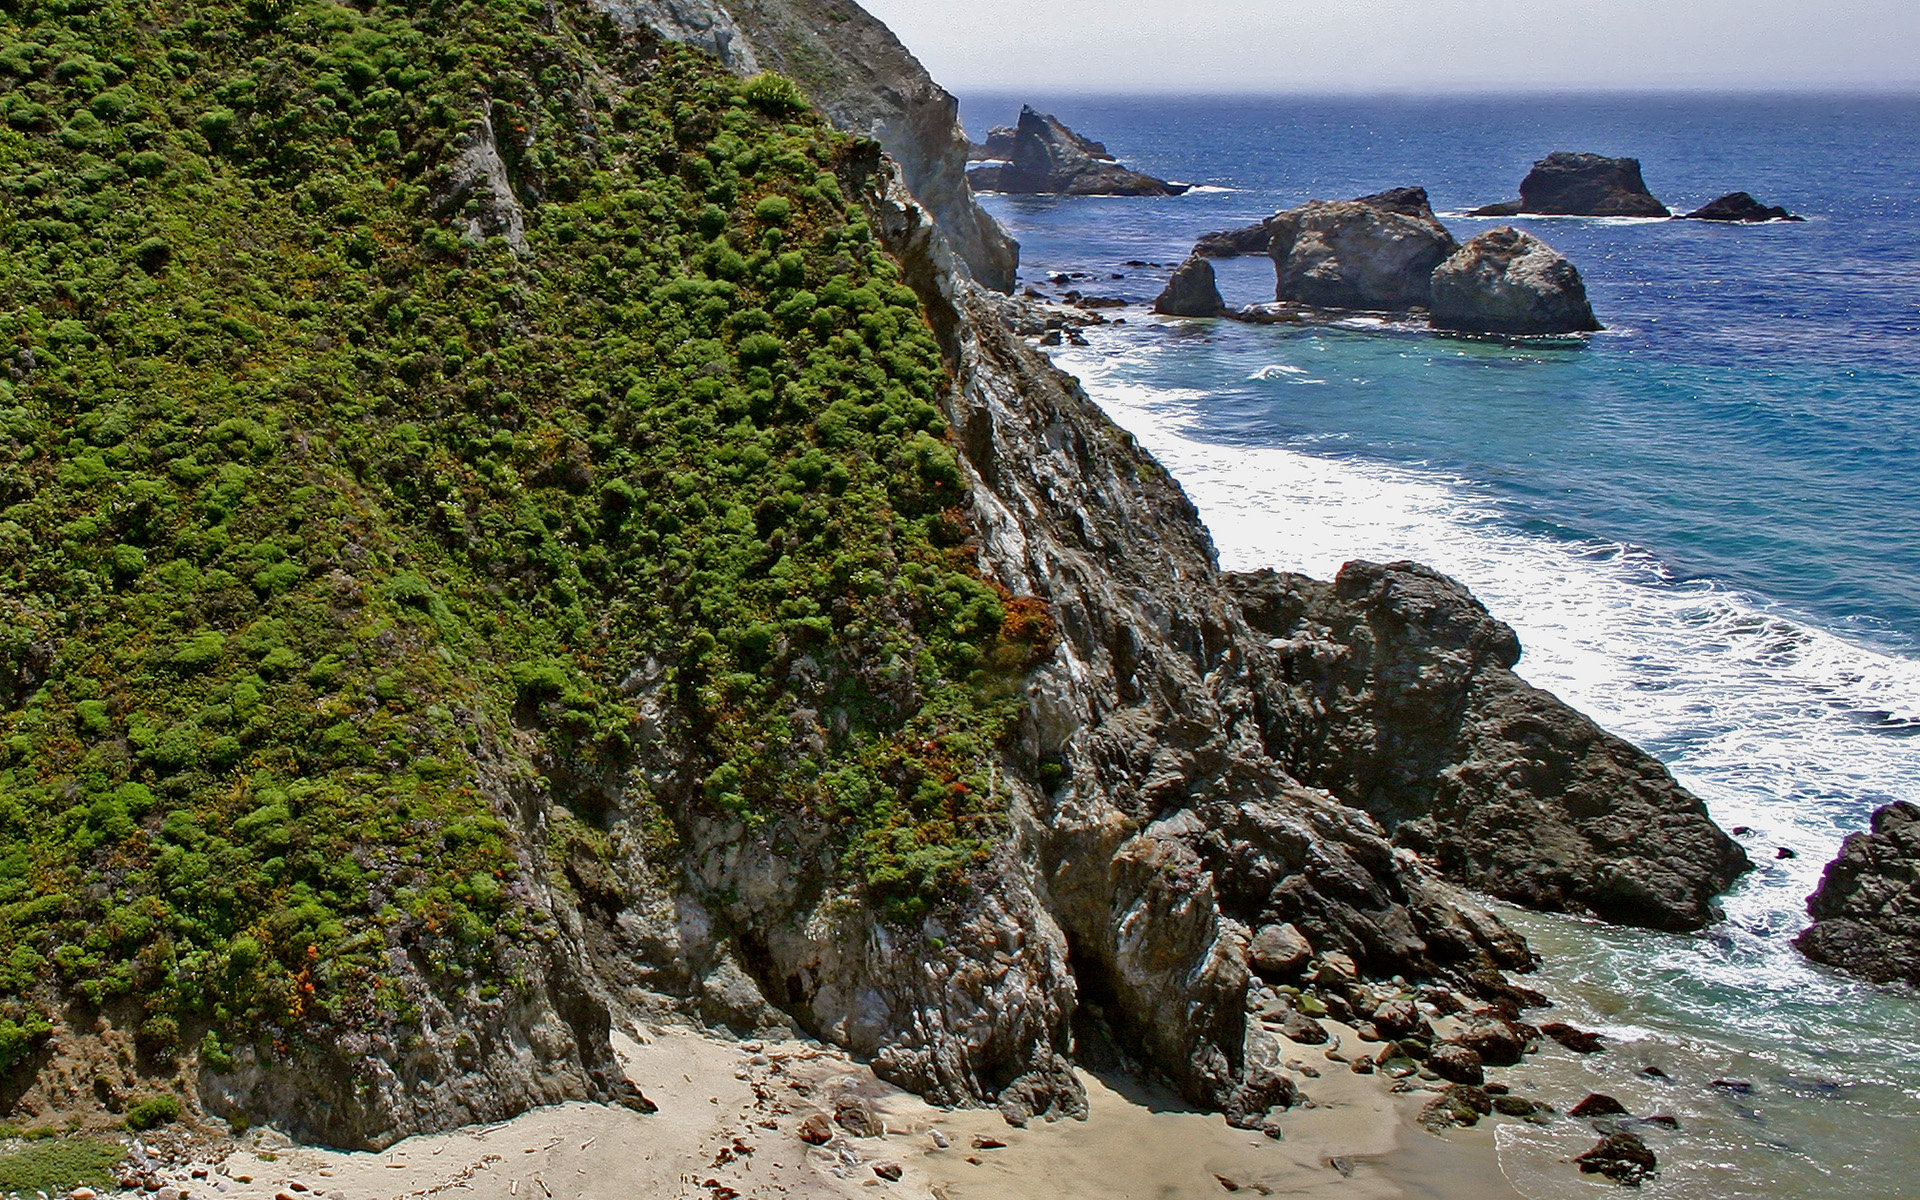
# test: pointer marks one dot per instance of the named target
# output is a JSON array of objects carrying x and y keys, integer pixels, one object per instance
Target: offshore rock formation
[
  {"x": 1231, "y": 243},
  {"x": 1375, "y": 253},
  {"x": 1044, "y": 157},
  {"x": 1510, "y": 282},
  {"x": 1866, "y": 913},
  {"x": 1581, "y": 185},
  {"x": 1192, "y": 291},
  {"x": 1739, "y": 207}
]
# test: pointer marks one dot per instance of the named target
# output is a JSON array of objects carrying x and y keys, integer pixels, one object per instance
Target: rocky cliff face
[
  {"x": 1377, "y": 252},
  {"x": 867, "y": 82},
  {"x": 1044, "y": 157}
]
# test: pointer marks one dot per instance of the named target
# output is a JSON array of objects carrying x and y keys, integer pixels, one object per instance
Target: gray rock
[
  {"x": 1231, "y": 243},
  {"x": 1049, "y": 159},
  {"x": 1507, "y": 281},
  {"x": 1358, "y": 254},
  {"x": 1739, "y": 207},
  {"x": 1396, "y": 692},
  {"x": 1191, "y": 292},
  {"x": 1278, "y": 951},
  {"x": 1584, "y": 185},
  {"x": 1497, "y": 1042},
  {"x": 1299, "y": 1027},
  {"x": 1866, "y": 912}
]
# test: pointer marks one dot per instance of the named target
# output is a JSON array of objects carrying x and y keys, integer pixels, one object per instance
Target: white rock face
[{"x": 702, "y": 23}]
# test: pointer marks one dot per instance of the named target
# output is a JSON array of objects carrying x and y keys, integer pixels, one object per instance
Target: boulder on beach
[
  {"x": 1044, "y": 157},
  {"x": 1581, "y": 185},
  {"x": 1740, "y": 207},
  {"x": 1866, "y": 912},
  {"x": 1192, "y": 292},
  {"x": 1371, "y": 253},
  {"x": 1510, "y": 282}
]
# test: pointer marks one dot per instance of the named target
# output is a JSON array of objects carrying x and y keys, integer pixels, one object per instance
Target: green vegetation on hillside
[{"x": 326, "y": 524}]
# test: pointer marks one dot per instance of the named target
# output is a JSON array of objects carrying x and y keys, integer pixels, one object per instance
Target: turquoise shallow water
[{"x": 1702, "y": 523}]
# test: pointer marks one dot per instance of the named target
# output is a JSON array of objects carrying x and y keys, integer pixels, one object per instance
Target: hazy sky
[{"x": 1057, "y": 46}]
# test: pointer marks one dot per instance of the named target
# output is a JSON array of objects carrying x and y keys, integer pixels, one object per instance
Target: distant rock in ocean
[
  {"x": 1581, "y": 185},
  {"x": 1232, "y": 243},
  {"x": 1506, "y": 281},
  {"x": 1740, "y": 207},
  {"x": 1866, "y": 912},
  {"x": 1041, "y": 156},
  {"x": 1375, "y": 253},
  {"x": 1192, "y": 292}
]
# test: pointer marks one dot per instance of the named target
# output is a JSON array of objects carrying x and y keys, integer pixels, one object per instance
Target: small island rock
[
  {"x": 1506, "y": 281},
  {"x": 1192, "y": 292},
  {"x": 1867, "y": 909},
  {"x": 1231, "y": 243},
  {"x": 1376, "y": 253},
  {"x": 1581, "y": 185},
  {"x": 1044, "y": 157},
  {"x": 1740, "y": 207}
]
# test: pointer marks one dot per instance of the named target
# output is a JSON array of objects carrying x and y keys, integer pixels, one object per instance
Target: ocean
[{"x": 1704, "y": 523}]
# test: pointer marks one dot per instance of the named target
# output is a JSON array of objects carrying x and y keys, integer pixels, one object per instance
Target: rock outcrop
[
  {"x": 1192, "y": 291},
  {"x": 1866, "y": 913},
  {"x": 1046, "y": 158},
  {"x": 1740, "y": 207},
  {"x": 1395, "y": 691},
  {"x": 1375, "y": 253},
  {"x": 854, "y": 68},
  {"x": 1581, "y": 185},
  {"x": 1231, "y": 243},
  {"x": 1509, "y": 282}
]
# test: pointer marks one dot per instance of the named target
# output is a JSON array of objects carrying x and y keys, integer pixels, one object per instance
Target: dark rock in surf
[
  {"x": 1581, "y": 185},
  {"x": 1739, "y": 207},
  {"x": 1621, "y": 1157},
  {"x": 1509, "y": 282},
  {"x": 1866, "y": 912},
  {"x": 1395, "y": 692},
  {"x": 1231, "y": 243},
  {"x": 1046, "y": 158},
  {"x": 1497, "y": 1043},
  {"x": 1377, "y": 253},
  {"x": 1192, "y": 292},
  {"x": 1577, "y": 1040},
  {"x": 1457, "y": 1064},
  {"x": 1598, "y": 1104}
]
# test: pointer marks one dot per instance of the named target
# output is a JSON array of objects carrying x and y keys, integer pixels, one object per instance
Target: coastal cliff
[{"x": 704, "y": 604}]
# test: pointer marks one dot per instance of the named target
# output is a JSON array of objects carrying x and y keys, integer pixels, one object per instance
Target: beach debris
[
  {"x": 853, "y": 1113},
  {"x": 816, "y": 1130},
  {"x": 1226, "y": 1183},
  {"x": 983, "y": 1141},
  {"x": 941, "y": 1140},
  {"x": 889, "y": 1171},
  {"x": 1341, "y": 1165}
]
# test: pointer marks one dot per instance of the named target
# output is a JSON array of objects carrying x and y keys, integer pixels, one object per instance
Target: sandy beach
[{"x": 730, "y": 1118}]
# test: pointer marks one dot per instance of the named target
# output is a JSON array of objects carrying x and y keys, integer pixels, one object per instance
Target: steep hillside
[
  {"x": 507, "y": 524},
  {"x": 332, "y": 530}
]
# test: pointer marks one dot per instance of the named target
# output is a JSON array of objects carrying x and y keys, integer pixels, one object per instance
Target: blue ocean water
[{"x": 1704, "y": 522}]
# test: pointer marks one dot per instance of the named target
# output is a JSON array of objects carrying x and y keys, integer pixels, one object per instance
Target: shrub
[
  {"x": 55, "y": 1167},
  {"x": 775, "y": 95},
  {"x": 152, "y": 1112}
]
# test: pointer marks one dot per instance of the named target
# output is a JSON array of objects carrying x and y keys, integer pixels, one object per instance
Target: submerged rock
[
  {"x": 1740, "y": 207},
  {"x": 1581, "y": 185},
  {"x": 1044, "y": 157},
  {"x": 1866, "y": 912},
  {"x": 1376, "y": 253},
  {"x": 1621, "y": 1157},
  {"x": 1192, "y": 292},
  {"x": 1507, "y": 281}
]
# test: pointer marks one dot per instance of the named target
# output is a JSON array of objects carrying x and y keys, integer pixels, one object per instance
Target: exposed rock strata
[
  {"x": 1191, "y": 292},
  {"x": 1049, "y": 159},
  {"x": 1358, "y": 254},
  {"x": 1866, "y": 913},
  {"x": 1740, "y": 207},
  {"x": 1507, "y": 281},
  {"x": 1581, "y": 185}
]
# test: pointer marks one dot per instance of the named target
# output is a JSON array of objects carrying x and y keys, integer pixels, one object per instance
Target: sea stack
[
  {"x": 1043, "y": 157},
  {"x": 1581, "y": 185},
  {"x": 1866, "y": 912},
  {"x": 1192, "y": 292},
  {"x": 1741, "y": 208},
  {"x": 1375, "y": 253},
  {"x": 1507, "y": 281}
]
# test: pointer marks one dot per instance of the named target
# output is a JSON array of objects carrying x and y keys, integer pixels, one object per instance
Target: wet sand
[{"x": 729, "y": 1121}]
